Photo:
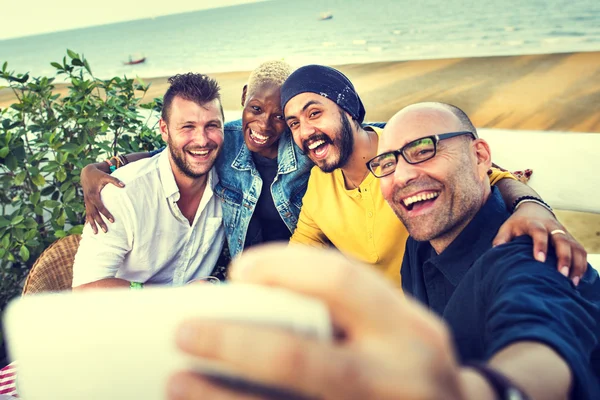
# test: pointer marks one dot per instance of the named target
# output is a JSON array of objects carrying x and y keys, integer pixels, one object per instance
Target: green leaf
[
  {"x": 61, "y": 175},
  {"x": 17, "y": 220},
  {"x": 24, "y": 253},
  {"x": 34, "y": 198},
  {"x": 60, "y": 233},
  {"x": 30, "y": 223},
  {"x": 4, "y": 222},
  {"x": 72, "y": 54},
  {"x": 32, "y": 243},
  {"x": 38, "y": 180},
  {"x": 69, "y": 147},
  {"x": 51, "y": 167},
  {"x": 30, "y": 235},
  {"x": 5, "y": 241},
  {"x": 61, "y": 219},
  {"x": 77, "y": 62},
  {"x": 56, "y": 65},
  {"x": 76, "y": 230},
  {"x": 4, "y": 152},
  {"x": 56, "y": 213},
  {"x": 69, "y": 194},
  {"x": 11, "y": 162},
  {"x": 19, "y": 178},
  {"x": 62, "y": 157},
  {"x": 51, "y": 203},
  {"x": 47, "y": 191},
  {"x": 4, "y": 66},
  {"x": 87, "y": 66}
]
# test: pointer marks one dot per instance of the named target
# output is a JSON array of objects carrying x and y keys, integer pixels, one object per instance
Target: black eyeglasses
[{"x": 415, "y": 152}]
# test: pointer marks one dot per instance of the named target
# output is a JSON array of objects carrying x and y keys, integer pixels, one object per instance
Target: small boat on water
[
  {"x": 325, "y": 16},
  {"x": 136, "y": 61}
]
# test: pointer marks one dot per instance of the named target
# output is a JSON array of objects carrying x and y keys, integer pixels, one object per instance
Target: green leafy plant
[{"x": 46, "y": 138}]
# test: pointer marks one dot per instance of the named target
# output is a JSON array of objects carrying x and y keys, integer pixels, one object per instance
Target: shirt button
[
  {"x": 370, "y": 235},
  {"x": 370, "y": 214}
]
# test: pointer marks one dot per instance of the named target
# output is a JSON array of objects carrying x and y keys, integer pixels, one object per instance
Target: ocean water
[{"x": 240, "y": 37}]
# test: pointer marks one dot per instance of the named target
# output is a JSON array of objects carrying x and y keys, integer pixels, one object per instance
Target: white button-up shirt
[{"x": 150, "y": 240}]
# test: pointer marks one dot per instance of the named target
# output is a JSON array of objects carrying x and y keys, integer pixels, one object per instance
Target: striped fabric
[{"x": 8, "y": 382}]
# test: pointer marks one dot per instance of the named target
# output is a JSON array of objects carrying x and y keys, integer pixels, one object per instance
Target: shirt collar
[
  {"x": 167, "y": 178},
  {"x": 285, "y": 155},
  {"x": 474, "y": 240}
]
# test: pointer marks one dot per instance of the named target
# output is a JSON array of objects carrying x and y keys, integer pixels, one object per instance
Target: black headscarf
[{"x": 327, "y": 82}]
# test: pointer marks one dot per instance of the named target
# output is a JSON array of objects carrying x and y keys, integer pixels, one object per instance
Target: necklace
[{"x": 352, "y": 182}]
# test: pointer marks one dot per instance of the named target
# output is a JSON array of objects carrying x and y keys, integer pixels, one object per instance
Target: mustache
[
  {"x": 313, "y": 138},
  {"x": 211, "y": 146}
]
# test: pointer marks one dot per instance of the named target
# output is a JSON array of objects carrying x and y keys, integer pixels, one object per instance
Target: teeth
[
  {"x": 316, "y": 144},
  {"x": 258, "y": 136},
  {"x": 199, "y": 152},
  {"x": 420, "y": 197}
]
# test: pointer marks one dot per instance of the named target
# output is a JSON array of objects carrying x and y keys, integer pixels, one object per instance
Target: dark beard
[
  {"x": 183, "y": 166},
  {"x": 345, "y": 143}
]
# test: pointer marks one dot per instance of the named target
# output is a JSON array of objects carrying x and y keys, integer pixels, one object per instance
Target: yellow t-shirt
[{"x": 358, "y": 223}]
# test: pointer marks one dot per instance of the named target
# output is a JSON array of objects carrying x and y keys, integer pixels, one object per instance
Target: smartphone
[{"x": 120, "y": 343}]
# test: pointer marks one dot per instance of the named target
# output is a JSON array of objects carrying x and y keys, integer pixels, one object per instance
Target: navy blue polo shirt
[{"x": 492, "y": 297}]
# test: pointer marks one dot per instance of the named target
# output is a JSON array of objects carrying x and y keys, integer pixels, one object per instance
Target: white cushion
[{"x": 565, "y": 164}]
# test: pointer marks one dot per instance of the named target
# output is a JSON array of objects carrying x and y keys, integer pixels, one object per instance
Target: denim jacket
[{"x": 240, "y": 183}]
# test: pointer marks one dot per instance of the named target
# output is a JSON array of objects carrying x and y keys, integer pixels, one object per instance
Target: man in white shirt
[{"x": 167, "y": 227}]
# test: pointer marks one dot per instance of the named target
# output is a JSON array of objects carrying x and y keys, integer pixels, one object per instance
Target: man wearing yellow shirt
[{"x": 343, "y": 205}]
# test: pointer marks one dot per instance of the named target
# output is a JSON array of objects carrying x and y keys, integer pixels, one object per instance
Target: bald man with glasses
[{"x": 517, "y": 317}]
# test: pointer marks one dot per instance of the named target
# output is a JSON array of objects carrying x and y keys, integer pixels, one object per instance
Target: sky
[{"x": 31, "y": 17}]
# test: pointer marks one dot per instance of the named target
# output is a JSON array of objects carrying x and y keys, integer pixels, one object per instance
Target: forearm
[
  {"x": 103, "y": 166},
  {"x": 137, "y": 156},
  {"x": 104, "y": 284},
  {"x": 534, "y": 367},
  {"x": 511, "y": 190}
]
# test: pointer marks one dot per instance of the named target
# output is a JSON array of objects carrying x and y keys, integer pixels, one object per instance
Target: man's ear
[
  {"x": 483, "y": 156},
  {"x": 164, "y": 131},
  {"x": 244, "y": 92}
]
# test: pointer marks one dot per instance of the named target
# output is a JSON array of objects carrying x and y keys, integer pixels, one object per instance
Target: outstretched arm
[
  {"x": 93, "y": 178},
  {"x": 386, "y": 346}
]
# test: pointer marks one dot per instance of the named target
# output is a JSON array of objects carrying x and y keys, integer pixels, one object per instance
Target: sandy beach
[
  {"x": 539, "y": 92},
  {"x": 536, "y": 92}
]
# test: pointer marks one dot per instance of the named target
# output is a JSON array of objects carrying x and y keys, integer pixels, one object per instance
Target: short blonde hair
[{"x": 275, "y": 72}]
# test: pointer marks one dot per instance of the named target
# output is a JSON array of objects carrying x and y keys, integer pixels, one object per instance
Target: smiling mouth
[
  {"x": 419, "y": 200},
  {"x": 318, "y": 146},
  {"x": 199, "y": 154},
  {"x": 257, "y": 137}
]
